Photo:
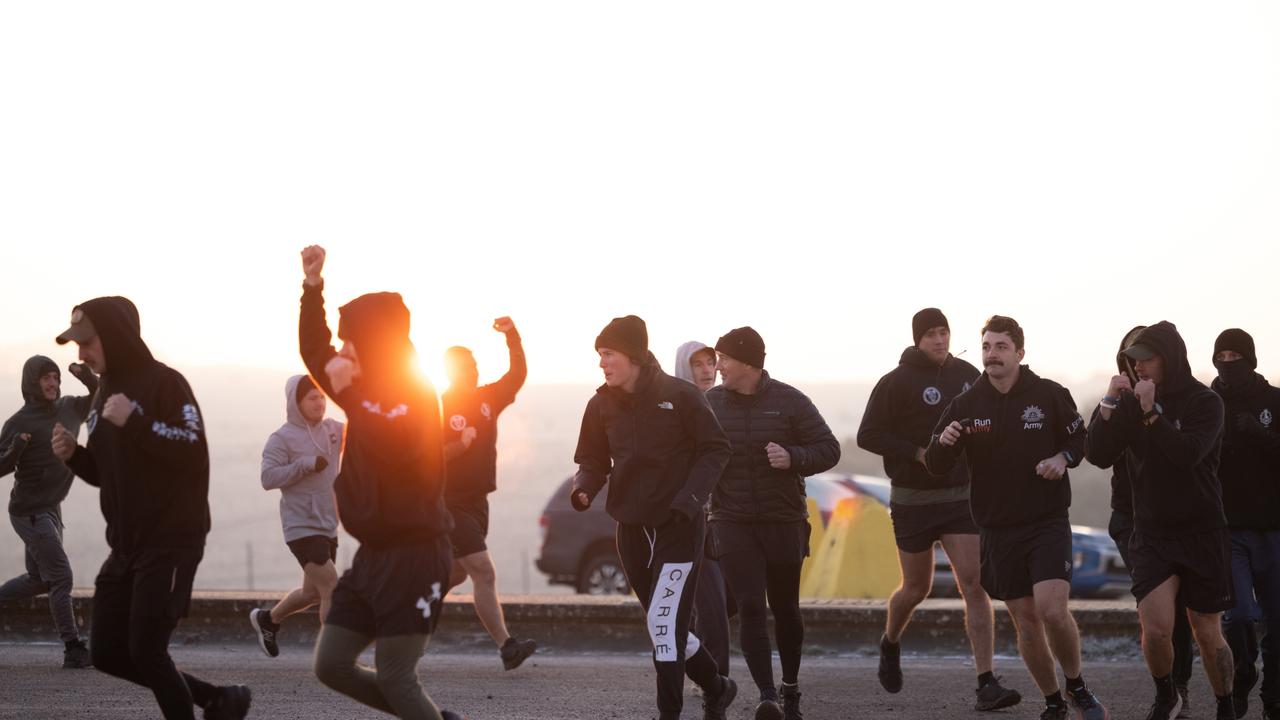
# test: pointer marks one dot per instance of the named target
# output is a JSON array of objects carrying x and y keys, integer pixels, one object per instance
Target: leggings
[
  {"x": 392, "y": 687},
  {"x": 753, "y": 582}
]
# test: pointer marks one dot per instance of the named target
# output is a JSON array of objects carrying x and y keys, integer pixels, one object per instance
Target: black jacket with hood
[
  {"x": 1173, "y": 463},
  {"x": 751, "y": 490},
  {"x": 390, "y": 488},
  {"x": 473, "y": 471},
  {"x": 154, "y": 471},
  {"x": 660, "y": 448},
  {"x": 1250, "y": 469},
  {"x": 903, "y": 410},
  {"x": 1011, "y": 434},
  {"x": 1121, "y": 488},
  {"x": 41, "y": 481}
]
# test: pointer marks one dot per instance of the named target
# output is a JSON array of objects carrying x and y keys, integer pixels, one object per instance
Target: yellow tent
[{"x": 855, "y": 555}]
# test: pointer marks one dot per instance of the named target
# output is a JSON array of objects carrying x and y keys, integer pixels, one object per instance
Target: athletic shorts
[
  {"x": 1015, "y": 558},
  {"x": 393, "y": 591},
  {"x": 314, "y": 549},
  {"x": 917, "y": 527},
  {"x": 470, "y": 524},
  {"x": 1202, "y": 562},
  {"x": 785, "y": 543}
]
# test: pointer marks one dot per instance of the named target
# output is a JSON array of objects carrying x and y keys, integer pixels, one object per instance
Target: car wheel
[{"x": 602, "y": 575}]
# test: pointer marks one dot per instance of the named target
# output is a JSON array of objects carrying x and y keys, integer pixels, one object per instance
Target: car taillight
[{"x": 544, "y": 522}]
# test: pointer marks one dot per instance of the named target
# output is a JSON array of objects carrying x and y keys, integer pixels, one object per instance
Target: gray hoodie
[
  {"x": 288, "y": 464},
  {"x": 683, "y": 354}
]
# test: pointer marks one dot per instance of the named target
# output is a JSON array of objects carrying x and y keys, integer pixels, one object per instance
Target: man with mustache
[{"x": 1019, "y": 433}]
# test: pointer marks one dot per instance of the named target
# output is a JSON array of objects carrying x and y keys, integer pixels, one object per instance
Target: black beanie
[
  {"x": 744, "y": 345},
  {"x": 305, "y": 385},
  {"x": 926, "y": 320},
  {"x": 628, "y": 335},
  {"x": 1239, "y": 341}
]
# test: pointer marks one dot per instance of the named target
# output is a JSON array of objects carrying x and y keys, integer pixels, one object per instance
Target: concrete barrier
[{"x": 576, "y": 623}]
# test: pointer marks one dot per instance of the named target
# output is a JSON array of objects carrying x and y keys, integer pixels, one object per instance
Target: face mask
[{"x": 1234, "y": 374}]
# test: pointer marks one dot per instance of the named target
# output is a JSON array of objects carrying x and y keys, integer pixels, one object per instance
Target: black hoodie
[
  {"x": 154, "y": 471},
  {"x": 660, "y": 448},
  {"x": 390, "y": 488},
  {"x": 752, "y": 490},
  {"x": 473, "y": 471},
  {"x": 903, "y": 410},
  {"x": 41, "y": 481},
  {"x": 1173, "y": 463},
  {"x": 1250, "y": 470},
  {"x": 1121, "y": 488},
  {"x": 1011, "y": 434}
]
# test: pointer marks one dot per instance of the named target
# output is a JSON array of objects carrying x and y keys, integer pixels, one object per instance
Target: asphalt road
[{"x": 569, "y": 686}]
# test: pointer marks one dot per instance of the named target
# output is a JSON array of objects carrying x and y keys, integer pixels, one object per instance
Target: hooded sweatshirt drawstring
[{"x": 653, "y": 543}]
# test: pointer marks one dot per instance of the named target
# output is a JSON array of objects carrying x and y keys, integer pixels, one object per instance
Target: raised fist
[
  {"x": 341, "y": 372},
  {"x": 312, "y": 263},
  {"x": 1119, "y": 384},
  {"x": 504, "y": 325},
  {"x": 64, "y": 443},
  {"x": 468, "y": 436},
  {"x": 117, "y": 409},
  {"x": 1145, "y": 391}
]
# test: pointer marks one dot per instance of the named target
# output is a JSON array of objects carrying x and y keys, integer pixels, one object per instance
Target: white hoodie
[
  {"x": 288, "y": 464},
  {"x": 683, "y": 354}
]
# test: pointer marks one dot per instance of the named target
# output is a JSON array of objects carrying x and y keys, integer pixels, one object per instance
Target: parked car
[{"x": 579, "y": 550}]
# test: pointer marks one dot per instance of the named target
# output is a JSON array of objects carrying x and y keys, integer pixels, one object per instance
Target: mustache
[{"x": 990, "y": 363}]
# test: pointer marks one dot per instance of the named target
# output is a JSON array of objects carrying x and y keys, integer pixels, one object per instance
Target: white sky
[{"x": 819, "y": 171}]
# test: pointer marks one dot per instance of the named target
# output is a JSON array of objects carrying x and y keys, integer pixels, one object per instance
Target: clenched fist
[
  {"x": 468, "y": 436},
  {"x": 312, "y": 263},
  {"x": 1145, "y": 391},
  {"x": 64, "y": 443},
  {"x": 779, "y": 458},
  {"x": 117, "y": 409},
  {"x": 951, "y": 434},
  {"x": 1119, "y": 384},
  {"x": 504, "y": 325},
  {"x": 1053, "y": 468},
  {"x": 341, "y": 372}
]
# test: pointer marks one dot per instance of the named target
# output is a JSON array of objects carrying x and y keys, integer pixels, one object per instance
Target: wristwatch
[{"x": 1150, "y": 416}]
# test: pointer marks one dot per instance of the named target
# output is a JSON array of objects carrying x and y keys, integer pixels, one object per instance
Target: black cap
[
  {"x": 744, "y": 345},
  {"x": 1239, "y": 341},
  {"x": 926, "y": 320},
  {"x": 628, "y": 335}
]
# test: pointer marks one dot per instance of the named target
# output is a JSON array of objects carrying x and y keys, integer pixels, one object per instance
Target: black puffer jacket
[
  {"x": 750, "y": 490},
  {"x": 1173, "y": 463},
  {"x": 904, "y": 408}
]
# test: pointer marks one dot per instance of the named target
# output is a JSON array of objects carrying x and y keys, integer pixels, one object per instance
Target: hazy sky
[{"x": 819, "y": 171}]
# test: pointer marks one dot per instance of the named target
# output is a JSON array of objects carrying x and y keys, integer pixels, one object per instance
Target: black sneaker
[
  {"x": 791, "y": 703},
  {"x": 1165, "y": 709},
  {"x": 1055, "y": 712},
  {"x": 76, "y": 656},
  {"x": 713, "y": 706},
  {"x": 994, "y": 696},
  {"x": 768, "y": 709},
  {"x": 890, "y": 665},
  {"x": 514, "y": 652},
  {"x": 1185, "y": 712},
  {"x": 1086, "y": 704},
  {"x": 1246, "y": 678},
  {"x": 231, "y": 703},
  {"x": 452, "y": 715},
  {"x": 266, "y": 630},
  {"x": 1271, "y": 711}
]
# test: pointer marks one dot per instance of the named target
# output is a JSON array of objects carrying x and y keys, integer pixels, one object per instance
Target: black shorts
[
  {"x": 470, "y": 525},
  {"x": 785, "y": 543},
  {"x": 917, "y": 527},
  {"x": 149, "y": 584},
  {"x": 393, "y": 591},
  {"x": 1202, "y": 562},
  {"x": 314, "y": 549},
  {"x": 1015, "y": 559}
]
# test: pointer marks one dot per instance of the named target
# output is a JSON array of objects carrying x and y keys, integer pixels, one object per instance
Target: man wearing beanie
[
  {"x": 1250, "y": 476},
  {"x": 1167, "y": 429},
  {"x": 903, "y": 409},
  {"x": 655, "y": 440},
  {"x": 1019, "y": 434},
  {"x": 758, "y": 511}
]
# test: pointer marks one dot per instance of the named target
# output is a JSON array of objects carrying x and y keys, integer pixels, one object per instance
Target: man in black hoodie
[
  {"x": 903, "y": 409},
  {"x": 758, "y": 510},
  {"x": 655, "y": 439},
  {"x": 1168, "y": 427},
  {"x": 1121, "y": 530},
  {"x": 40, "y": 484},
  {"x": 471, "y": 456},
  {"x": 148, "y": 454},
  {"x": 1019, "y": 433},
  {"x": 390, "y": 497},
  {"x": 1250, "y": 475}
]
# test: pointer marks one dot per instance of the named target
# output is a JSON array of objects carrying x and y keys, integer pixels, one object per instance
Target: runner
[
  {"x": 656, "y": 441},
  {"x": 389, "y": 495},
  {"x": 471, "y": 454},
  {"x": 301, "y": 461},
  {"x": 1018, "y": 434},
  {"x": 40, "y": 484},
  {"x": 903, "y": 409},
  {"x": 148, "y": 454},
  {"x": 758, "y": 510}
]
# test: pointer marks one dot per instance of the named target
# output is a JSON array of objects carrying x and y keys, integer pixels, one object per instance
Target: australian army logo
[
  {"x": 458, "y": 423},
  {"x": 1032, "y": 418},
  {"x": 932, "y": 396},
  {"x": 1265, "y": 418}
]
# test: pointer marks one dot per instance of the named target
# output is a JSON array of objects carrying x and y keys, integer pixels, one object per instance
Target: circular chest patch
[
  {"x": 932, "y": 396},
  {"x": 458, "y": 423}
]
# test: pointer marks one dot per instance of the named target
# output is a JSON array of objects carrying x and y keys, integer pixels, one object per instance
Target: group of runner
[{"x": 707, "y": 488}]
